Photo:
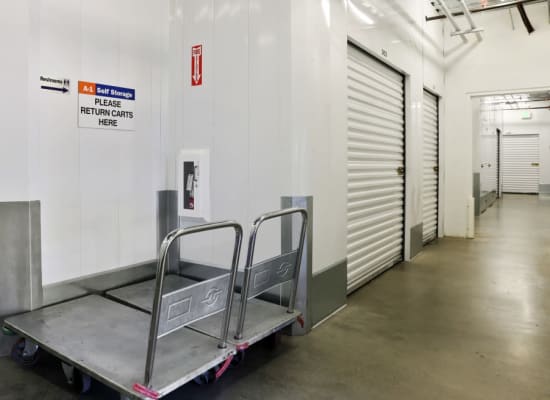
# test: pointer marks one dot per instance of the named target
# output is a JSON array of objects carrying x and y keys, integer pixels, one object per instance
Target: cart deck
[{"x": 108, "y": 341}]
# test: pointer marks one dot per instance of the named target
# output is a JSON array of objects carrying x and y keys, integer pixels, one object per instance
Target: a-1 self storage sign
[{"x": 105, "y": 107}]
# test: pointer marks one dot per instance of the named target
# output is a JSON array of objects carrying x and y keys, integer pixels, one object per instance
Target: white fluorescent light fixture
[
  {"x": 360, "y": 15},
  {"x": 325, "y": 5}
]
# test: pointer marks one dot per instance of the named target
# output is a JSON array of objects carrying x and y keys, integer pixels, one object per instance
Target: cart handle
[
  {"x": 161, "y": 269},
  {"x": 250, "y": 261}
]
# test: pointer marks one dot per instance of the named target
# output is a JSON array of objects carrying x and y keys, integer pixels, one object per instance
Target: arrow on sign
[
  {"x": 197, "y": 74},
  {"x": 64, "y": 90}
]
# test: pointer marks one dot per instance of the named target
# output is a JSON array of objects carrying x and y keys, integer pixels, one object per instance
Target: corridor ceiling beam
[
  {"x": 468, "y": 14},
  {"x": 445, "y": 10}
]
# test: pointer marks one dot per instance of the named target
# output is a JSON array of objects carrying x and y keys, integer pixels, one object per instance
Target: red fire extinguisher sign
[{"x": 196, "y": 65}]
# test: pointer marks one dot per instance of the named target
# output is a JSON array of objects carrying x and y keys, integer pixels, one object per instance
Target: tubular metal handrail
[
  {"x": 250, "y": 261},
  {"x": 161, "y": 269}
]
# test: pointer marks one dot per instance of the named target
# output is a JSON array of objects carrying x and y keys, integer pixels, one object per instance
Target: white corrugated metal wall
[{"x": 376, "y": 160}]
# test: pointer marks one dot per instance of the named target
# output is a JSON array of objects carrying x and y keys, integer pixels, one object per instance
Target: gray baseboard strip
[
  {"x": 477, "y": 193},
  {"x": 21, "y": 265},
  {"x": 328, "y": 291},
  {"x": 416, "y": 238}
]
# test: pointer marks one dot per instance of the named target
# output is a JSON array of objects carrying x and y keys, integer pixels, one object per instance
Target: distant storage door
[
  {"x": 520, "y": 163},
  {"x": 376, "y": 160},
  {"x": 430, "y": 191}
]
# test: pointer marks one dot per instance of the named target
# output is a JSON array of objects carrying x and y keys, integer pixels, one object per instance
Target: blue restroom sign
[{"x": 106, "y": 107}]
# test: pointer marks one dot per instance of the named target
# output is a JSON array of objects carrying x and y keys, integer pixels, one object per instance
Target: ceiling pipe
[
  {"x": 525, "y": 108},
  {"x": 468, "y": 15},
  {"x": 445, "y": 10},
  {"x": 525, "y": 19},
  {"x": 488, "y": 8}
]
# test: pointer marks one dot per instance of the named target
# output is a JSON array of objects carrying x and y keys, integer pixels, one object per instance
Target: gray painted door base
[{"x": 417, "y": 239}]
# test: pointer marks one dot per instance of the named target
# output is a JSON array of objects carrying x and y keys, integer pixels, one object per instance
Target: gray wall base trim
[
  {"x": 328, "y": 291},
  {"x": 544, "y": 188},
  {"x": 35, "y": 256},
  {"x": 167, "y": 221},
  {"x": 20, "y": 261},
  {"x": 417, "y": 240},
  {"x": 477, "y": 193},
  {"x": 486, "y": 200}
]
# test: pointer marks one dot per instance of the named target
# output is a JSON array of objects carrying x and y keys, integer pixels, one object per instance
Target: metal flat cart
[
  {"x": 122, "y": 346},
  {"x": 253, "y": 319}
]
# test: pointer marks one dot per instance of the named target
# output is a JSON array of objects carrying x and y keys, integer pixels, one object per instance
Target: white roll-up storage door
[
  {"x": 430, "y": 190},
  {"x": 520, "y": 164},
  {"x": 376, "y": 160}
]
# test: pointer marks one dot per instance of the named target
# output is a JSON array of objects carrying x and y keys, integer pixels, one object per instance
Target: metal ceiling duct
[
  {"x": 445, "y": 10},
  {"x": 473, "y": 27}
]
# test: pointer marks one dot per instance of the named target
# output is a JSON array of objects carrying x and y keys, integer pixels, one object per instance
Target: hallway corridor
[{"x": 467, "y": 319}]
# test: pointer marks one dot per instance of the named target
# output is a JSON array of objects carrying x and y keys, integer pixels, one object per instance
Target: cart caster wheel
[
  {"x": 25, "y": 352},
  {"x": 238, "y": 358},
  {"x": 81, "y": 382},
  {"x": 274, "y": 340},
  {"x": 68, "y": 371},
  {"x": 206, "y": 378},
  {"x": 7, "y": 331}
]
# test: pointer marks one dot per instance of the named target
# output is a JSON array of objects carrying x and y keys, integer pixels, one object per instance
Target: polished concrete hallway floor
[{"x": 467, "y": 319}]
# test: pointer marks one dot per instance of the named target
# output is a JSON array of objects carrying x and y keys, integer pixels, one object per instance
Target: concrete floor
[{"x": 467, "y": 319}]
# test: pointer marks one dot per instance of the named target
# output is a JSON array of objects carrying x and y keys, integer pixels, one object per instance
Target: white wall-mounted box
[{"x": 193, "y": 175}]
